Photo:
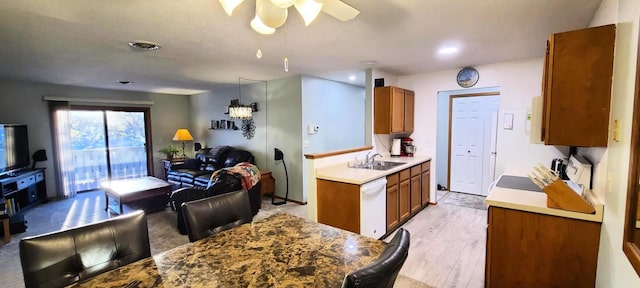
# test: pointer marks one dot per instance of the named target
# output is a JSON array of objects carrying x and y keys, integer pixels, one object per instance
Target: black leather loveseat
[{"x": 197, "y": 171}]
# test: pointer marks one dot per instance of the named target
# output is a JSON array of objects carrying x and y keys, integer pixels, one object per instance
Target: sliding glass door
[{"x": 108, "y": 145}]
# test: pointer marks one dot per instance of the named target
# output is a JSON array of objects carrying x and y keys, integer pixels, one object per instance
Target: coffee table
[{"x": 130, "y": 190}]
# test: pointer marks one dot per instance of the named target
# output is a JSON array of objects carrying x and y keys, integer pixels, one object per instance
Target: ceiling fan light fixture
[
  {"x": 259, "y": 27},
  {"x": 230, "y": 5},
  {"x": 269, "y": 14},
  {"x": 309, "y": 9},
  {"x": 283, "y": 3}
]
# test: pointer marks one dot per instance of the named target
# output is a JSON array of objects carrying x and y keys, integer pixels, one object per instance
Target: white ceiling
[{"x": 84, "y": 43}]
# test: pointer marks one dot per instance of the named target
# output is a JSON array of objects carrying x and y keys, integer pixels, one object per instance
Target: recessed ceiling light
[
  {"x": 144, "y": 45},
  {"x": 369, "y": 62},
  {"x": 448, "y": 50},
  {"x": 352, "y": 78},
  {"x": 124, "y": 82}
]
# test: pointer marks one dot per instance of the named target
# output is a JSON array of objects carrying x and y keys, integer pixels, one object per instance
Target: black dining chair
[
  {"x": 382, "y": 273},
  {"x": 73, "y": 255},
  {"x": 208, "y": 216}
]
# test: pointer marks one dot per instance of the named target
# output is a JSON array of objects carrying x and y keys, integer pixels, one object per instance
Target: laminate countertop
[
  {"x": 536, "y": 202},
  {"x": 279, "y": 251},
  {"x": 342, "y": 173}
]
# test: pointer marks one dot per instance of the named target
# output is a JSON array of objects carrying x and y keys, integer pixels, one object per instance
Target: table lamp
[{"x": 182, "y": 135}]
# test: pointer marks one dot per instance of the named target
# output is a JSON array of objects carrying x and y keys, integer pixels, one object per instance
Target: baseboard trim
[{"x": 290, "y": 200}]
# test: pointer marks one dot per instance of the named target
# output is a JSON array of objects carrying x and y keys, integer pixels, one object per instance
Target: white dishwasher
[{"x": 373, "y": 207}]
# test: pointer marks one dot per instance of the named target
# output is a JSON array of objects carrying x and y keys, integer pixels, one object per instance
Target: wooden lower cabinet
[
  {"x": 416, "y": 193},
  {"x": 526, "y": 249},
  {"x": 416, "y": 202},
  {"x": 425, "y": 187},
  {"x": 393, "y": 216},
  {"x": 405, "y": 198},
  {"x": 339, "y": 204}
]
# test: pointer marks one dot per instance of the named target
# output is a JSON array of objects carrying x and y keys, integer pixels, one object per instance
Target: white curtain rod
[{"x": 94, "y": 100}]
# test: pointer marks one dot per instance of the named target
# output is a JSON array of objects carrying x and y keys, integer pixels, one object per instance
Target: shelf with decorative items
[{"x": 223, "y": 125}]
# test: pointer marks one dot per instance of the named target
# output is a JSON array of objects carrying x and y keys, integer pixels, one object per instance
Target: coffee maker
[{"x": 407, "y": 147}]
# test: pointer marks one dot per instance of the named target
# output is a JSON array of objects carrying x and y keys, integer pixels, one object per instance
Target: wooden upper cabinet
[
  {"x": 393, "y": 110},
  {"x": 409, "y": 101},
  {"x": 577, "y": 87}
]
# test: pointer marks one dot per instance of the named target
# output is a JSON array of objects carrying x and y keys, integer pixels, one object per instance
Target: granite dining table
[{"x": 279, "y": 251}]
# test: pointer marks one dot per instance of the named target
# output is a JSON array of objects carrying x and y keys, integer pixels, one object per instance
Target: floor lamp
[
  {"x": 280, "y": 156},
  {"x": 183, "y": 135}
]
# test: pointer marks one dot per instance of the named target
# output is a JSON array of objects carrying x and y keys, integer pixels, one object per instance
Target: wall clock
[{"x": 467, "y": 77}]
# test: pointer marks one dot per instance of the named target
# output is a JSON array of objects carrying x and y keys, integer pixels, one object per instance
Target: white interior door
[
  {"x": 471, "y": 145},
  {"x": 466, "y": 145}
]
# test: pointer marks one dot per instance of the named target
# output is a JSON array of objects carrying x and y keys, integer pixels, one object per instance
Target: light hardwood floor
[{"x": 447, "y": 246}]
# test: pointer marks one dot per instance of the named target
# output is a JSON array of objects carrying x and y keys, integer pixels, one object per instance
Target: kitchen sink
[{"x": 377, "y": 165}]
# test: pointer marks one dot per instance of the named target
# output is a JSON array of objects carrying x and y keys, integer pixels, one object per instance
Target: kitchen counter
[
  {"x": 342, "y": 173},
  {"x": 537, "y": 202}
]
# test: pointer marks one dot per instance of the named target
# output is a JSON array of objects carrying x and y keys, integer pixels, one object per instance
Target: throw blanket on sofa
[{"x": 249, "y": 174}]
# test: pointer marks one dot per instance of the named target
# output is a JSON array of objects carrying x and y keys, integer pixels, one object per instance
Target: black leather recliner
[
  {"x": 383, "y": 272},
  {"x": 224, "y": 183},
  {"x": 65, "y": 257},
  {"x": 197, "y": 171},
  {"x": 208, "y": 216}
]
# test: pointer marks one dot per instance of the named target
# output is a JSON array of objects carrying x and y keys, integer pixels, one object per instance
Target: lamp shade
[
  {"x": 269, "y": 14},
  {"x": 182, "y": 135},
  {"x": 229, "y": 5},
  {"x": 259, "y": 27},
  {"x": 283, "y": 3},
  {"x": 309, "y": 9}
]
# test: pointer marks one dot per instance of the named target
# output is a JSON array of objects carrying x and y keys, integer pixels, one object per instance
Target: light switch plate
[{"x": 507, "y": 122}]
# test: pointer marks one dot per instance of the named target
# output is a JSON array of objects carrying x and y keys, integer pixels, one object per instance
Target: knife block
[{"x": 560, "y": 196}]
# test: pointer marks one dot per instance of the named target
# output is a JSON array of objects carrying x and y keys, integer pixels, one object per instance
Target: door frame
[{"x": 451, "y": 97}]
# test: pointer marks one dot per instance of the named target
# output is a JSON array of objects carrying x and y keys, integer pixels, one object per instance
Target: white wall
[
  {"x": 518, "y": 82},
  {"x": 284, "y": 119},
  {"x": 614, "y": 269},
  {"x": 212, "y": 106},
  {"x": 21, "y": 102},
  {"x": 338, "y": 109}
]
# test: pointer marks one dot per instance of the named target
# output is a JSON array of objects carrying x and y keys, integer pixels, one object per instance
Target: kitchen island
[{"x": 531, "y": 245}]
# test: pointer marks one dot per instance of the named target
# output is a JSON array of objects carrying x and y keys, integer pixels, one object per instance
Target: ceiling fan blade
[{"x": 339, "y": 9}]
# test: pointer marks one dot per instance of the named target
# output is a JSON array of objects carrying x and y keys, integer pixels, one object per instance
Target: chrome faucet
[{"x": 369, "y": 160}]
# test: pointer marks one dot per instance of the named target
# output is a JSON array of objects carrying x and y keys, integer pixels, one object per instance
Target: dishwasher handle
[{"x": 374, "y": 186}]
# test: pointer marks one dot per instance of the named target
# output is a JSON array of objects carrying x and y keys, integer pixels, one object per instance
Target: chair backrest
[
  {"x": 64, "y": 257},
  {"x": 211, "y": 215},
  {"x": 383, "y": 272}
]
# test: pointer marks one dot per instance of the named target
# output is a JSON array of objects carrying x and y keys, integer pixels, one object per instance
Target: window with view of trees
[{"x": 107, "y": 145}]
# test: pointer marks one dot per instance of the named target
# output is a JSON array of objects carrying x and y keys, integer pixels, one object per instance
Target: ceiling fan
[{"x": 271, "y": 14}]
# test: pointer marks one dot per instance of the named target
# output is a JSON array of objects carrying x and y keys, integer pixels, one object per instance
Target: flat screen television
[{"x": 14, "y": 148}]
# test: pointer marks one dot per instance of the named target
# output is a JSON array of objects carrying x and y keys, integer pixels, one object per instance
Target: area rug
[{"x": 464, "y": 200}]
